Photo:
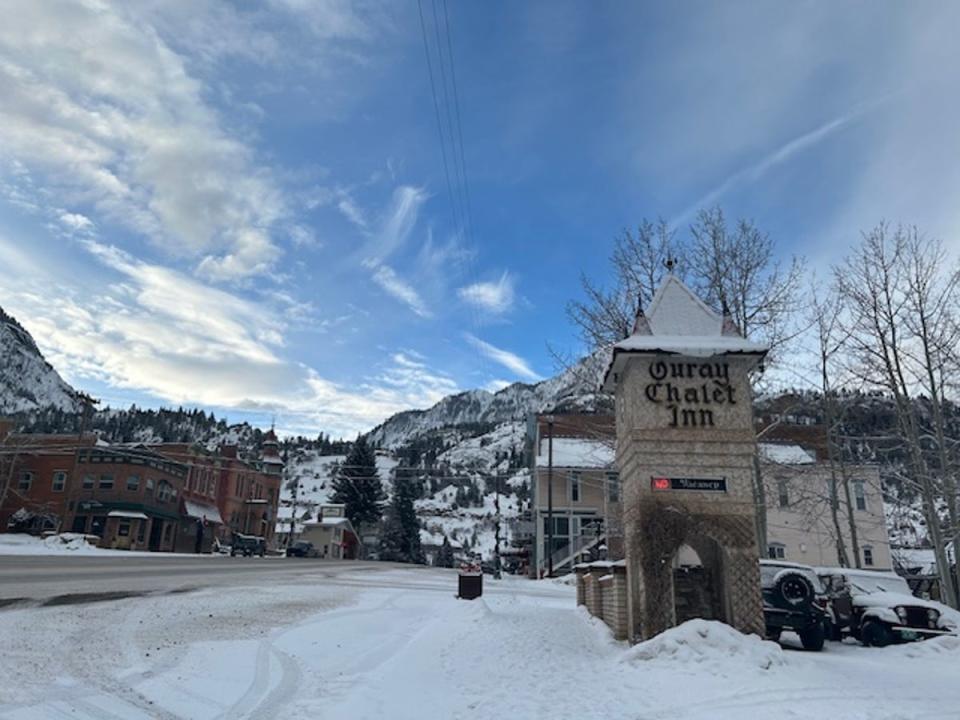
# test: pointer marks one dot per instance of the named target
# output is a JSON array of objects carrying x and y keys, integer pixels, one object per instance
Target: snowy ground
[{"x": 396, "y": 644}]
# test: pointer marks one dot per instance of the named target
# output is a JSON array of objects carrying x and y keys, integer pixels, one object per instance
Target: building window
[
  {"x": 867, "y": 555},
  {"x": 776, "y": 551},
  {"x": 133, "y": 483},
  {"x": 123, "y": 528},
  {"x": 88, "y": 481},
  {"x": 574, "y": 487},
  {"x": 783, "y": 493},
  {"x": 141, "y": 531},
  {"x": 96, "y": 526},
  {"x": 859, "y": 496},
  {"x": 59, "y": 481},
  {"x": 165, "y": 491},
  {"x": 613, "y": 487},
  {"x": 26, "y": 481},
  {"x": 106, "y": 482},
  {"x": 149, "y": 484}
]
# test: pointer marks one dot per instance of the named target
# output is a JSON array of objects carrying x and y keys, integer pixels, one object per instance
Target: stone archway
[{"x": 698, "y": 581}]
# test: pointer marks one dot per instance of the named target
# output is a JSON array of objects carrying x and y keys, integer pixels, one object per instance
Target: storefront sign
[{"x": 690, "y": 405}]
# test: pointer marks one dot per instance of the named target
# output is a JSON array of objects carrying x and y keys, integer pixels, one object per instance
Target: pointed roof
[{"x": 680, "y": 323}]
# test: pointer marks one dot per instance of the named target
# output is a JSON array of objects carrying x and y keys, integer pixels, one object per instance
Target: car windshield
[{"x": 880, "y": 583}]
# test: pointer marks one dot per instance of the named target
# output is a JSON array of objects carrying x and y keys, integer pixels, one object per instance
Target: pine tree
[
  {"x": 357, "y": 485},
  {"x": 445, "y": 554},
  {"x": 400, "y": 539}
]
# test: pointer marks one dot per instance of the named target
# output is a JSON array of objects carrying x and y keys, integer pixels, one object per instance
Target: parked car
[
  {"x": 247, "y": 545},
  {"x": 793, "y": 599},
  {"x": 302, "y": 548},
  {"x": 878, "y": 609}
]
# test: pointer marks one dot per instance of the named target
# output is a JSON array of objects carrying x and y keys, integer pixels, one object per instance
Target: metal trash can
[{"x": 470, "y": 583}]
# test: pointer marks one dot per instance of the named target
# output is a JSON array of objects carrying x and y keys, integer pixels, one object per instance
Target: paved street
[{"x": 40, "y": 578}]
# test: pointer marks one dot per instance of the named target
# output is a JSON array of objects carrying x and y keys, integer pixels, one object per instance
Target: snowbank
[
  {"x": 711, "y": 645},
  {"x": 946, "y": 646}
]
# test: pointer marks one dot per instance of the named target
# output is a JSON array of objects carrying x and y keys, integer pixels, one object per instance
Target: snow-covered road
[{"x": 396, "y": 644}]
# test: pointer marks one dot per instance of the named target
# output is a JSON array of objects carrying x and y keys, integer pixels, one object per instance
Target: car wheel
[
  {"x": 812, "y": 638},
  {"x": 874, "y": 634},
  {"x": 793, "y": 590},
  {"x": 773, "y": 635}
]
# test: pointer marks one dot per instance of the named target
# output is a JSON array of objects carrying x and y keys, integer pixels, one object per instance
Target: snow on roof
[
  {"x": 679, "y": 323},
  {"x": 784, "y": 454},
  {"x": 576, "y": 453},
  {"x": 127, "y": 514}
]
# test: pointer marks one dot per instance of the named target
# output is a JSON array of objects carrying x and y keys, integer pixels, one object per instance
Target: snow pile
[
  {"x": 71, "y": 542},
  {"x": 708, "y": 643},
  {"x": 946, "y": 646}
]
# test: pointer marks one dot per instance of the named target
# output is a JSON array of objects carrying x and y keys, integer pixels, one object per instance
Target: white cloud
[
  {"x": 105, "y": 114},
  {"x": 497, "y": 385},
  {"x": 493, "y": 297},
  {"x": 507, "y": 359},
  {"x": 76, "y": 221},
  {"x": 351, "y": 212},
  {"x": 397, "y": 224},
  {"x": 387, "y": 279},
  {"x": 163, "y": 333}
]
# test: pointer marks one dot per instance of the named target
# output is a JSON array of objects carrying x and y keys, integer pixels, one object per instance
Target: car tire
[
  {"x": 774, "y": 636},
  {"x": 793, "y": 591},
  {"x": 875, "y": 634},
  {"x": 812, "y": 638}
]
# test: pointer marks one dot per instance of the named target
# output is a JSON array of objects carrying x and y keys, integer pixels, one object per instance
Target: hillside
[{"x": 27, "y": 380}]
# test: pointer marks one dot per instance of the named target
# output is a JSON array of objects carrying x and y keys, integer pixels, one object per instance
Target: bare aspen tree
[
  {"x": 824, "y": 315},
  {"x": 638, "y": 265},
  {"x": 876, "y": 283}
]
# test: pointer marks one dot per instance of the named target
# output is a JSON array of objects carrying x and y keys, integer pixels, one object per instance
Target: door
[{"x": 156, "y": 530}]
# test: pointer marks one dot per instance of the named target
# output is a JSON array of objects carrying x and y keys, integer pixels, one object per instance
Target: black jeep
[
  {"x": 793, "y": 600},
  {"x": 247, "y": 545}
]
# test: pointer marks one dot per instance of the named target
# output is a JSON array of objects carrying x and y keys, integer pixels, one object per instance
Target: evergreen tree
[
  {"x": 400, "y": 538},
  {"x": 357, "y": 485},
  {"x": 444, "y": 555}
]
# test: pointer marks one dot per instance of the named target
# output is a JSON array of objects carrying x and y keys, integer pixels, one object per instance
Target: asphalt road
[{"x": 65, "y": 579}]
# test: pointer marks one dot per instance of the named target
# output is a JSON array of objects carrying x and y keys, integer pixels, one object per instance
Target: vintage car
[
  {"x": 793, "y": 599},
  {"x": 877, "y": 608},
  {"x": 247, "y": 545}
]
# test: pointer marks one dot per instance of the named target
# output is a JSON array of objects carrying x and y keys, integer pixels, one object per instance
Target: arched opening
[{"x": 698, "y": 583}]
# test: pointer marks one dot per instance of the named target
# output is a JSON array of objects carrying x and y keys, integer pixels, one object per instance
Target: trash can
[{"x": 470, "y": 583}]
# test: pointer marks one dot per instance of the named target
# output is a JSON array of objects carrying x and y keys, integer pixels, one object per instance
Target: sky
[{"x": 321, "y": 213}]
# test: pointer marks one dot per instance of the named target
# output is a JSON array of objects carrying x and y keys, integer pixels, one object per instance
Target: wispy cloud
[
  {"x": 507, "y": 359},
  {"x": 757, "y": 170},
  {"x": 387, "y": 279},
  {"x": 397, "y": 224},
  {"x": 493, "y": 297}
]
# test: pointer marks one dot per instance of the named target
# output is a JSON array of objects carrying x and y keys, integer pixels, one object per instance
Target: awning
[
  {"x": 202, "y": 511},
  {"x": 127, "y": 514}
]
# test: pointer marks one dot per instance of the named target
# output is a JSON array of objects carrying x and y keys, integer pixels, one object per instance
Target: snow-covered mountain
[
  {"x": 574, "y": 389},
  {"x": 27, "y": 380}
]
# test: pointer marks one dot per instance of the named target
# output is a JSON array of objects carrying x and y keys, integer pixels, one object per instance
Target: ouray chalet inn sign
[{"x": 690, "y": 405}]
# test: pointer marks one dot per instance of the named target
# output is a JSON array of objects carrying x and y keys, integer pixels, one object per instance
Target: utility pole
[
  {"x": 549, "y": 495},
  {"x": 496, "y": 503}
]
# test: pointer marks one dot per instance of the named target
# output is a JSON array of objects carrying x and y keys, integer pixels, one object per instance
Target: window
[
  {"x": 867, "y": 555},
  {"x": 106, "y": 482},
  {"x": 574, "y": 487},
  {"x": 25, "y": 481},
  {"x": 561, "y": 525},
  {"x": 783, "y": 494},
  {"x": 776, "y": 551},
  {"x": 88, "y": 481},
  {"x": 141, "y": 531},
  {"x": 59, "y": 480},
  {"x": 149, "y": 484},
  {"x": 859, "y": 497},
  {"x": 613, "y": 487},
  {"x": 123, "y": 528},
  {"x": 133, "y": 483},
  {"x": 96, "y": 526},
  {"x": 165, "y": 491}
]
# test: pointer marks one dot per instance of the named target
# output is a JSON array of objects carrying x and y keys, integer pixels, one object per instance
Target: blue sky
[{"x": 244, "y": 206}]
